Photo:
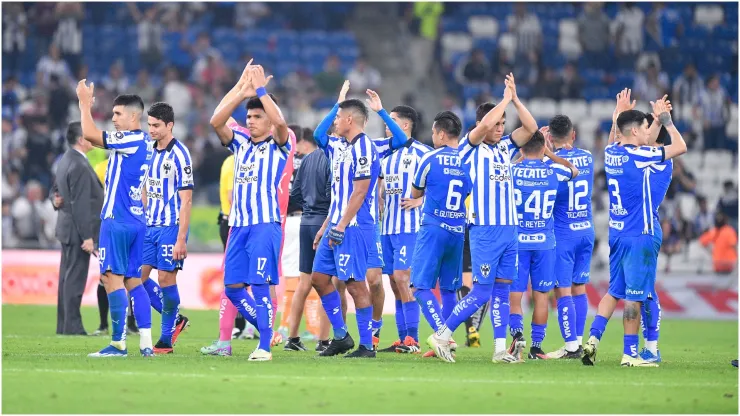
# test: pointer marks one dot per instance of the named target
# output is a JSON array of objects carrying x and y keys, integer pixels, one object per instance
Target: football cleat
[
  {"x": 473, "y": 338},
  {"x": 453, "y": 345},
  {"x": 589, "y": 351},
  {"x": 294, "y": 344},
  {"x": 536, "y": 353},
  {"x": 100, "y": 331},
  {"x": 147, "y": 352},
  {"x": 162, "y": 348},
  {"x": 517, "y": 346},
  {"x": 562, "y": 353},
  {"x": 376, "y": 341},
  {"x": 260, "y": 355},
  {"x": 109, "y": 351},
  {"x": 181, "y": 324},
  {"x": 628, "y": 361},
  {"x": 361, "y": 352},
  {"x": 338, "y": 346},
  {"x": 441, "y": 348},
  {"x": 409, "y": 346},
  {"x": 503, "y": 357},
  {"x": 393, "y": 346},
  {"x": 217, "y": 348},
  {"x": 648, "y": 356},
  {"x": 277, "y": 339},
  {"x": 322, "y": 345}
]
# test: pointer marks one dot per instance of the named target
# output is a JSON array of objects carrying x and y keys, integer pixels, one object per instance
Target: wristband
[
  {"x": 261, "y": 92},
  {"x": 665, "y": 119}
]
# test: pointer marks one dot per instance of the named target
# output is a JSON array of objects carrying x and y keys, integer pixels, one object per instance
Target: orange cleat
[
  {"x": 393, "y": 346},
  {"x": 180, "y": 325},
  {"x": 410, "y": 346}
]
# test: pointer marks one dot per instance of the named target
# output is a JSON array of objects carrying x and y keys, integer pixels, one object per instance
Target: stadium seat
[
  {"x": 483, "y": 26},
  {"x": 568, "y": 28},
  {"x": 709, "y": 15},
  {"x": 577, "y": 110},
  {"x": 542, "y": 108},
  {"x": 453, "y": 43},
  {"x": 601, "y": 109},
  {"x": 507, "y": 41}
]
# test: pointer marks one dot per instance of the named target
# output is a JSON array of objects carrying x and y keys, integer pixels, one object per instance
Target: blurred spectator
[
  {"x": 629, "y": 35},
  {"x": 68, "y": 35},
  {"x": 571, "y": 83},
  {"x": 688, "y": 87},
  {"x": 527, "y": 29},
  {"x": 9, "y": 238},
  {"x": 449, "y": 103},
  {"x": 53, "y": 64},
  {"x": 330, "y": 80},
  {"x": 199, "y": 52},
  {"x": 682, "y": 180},
  {"x": 59, "y": 101},
  {"x": 664, "y": 25},
  {"x": 116, "y": 81},
  {"x": 14, "y": 35},
  {"x": 502, "y": 66},
  {"x": 248, "y": 14},
  {"x": 14, "y": 147},
  {"x": 714, "y": 103},
  {"x": 300, "y": 83},
  {"x": 548, "y": 86},
  {"x": 39, "y": 151},
  {"x": 651, "y": 84},
  {"x": 177, "y": 94},
  {"x": 149, "y": 30},
  {"x": 37, "y": 106},
  {"x": 144, "y": 87},
  {"x": 43, "y": 16},
  {"x": 704, "y": 218},
  {"x": 671, "y": 227},
  {"x": 528, "y": 72},
  {"x": 722, "y": 240},
  {"x": 424, "y": 23},
  {"x": 728, "y": 202},
  {"x": 363, "y": 76},
  {"x": 34, "y": 218},
  {"x": 477, "y": 70},
  {"x": 13, "y": 95},
  {"x": 211, "y": 71},
  {"x": 593, "y": 34}
]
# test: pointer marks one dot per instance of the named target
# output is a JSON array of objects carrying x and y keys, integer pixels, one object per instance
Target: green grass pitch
[{"x": 45, "y": 373}]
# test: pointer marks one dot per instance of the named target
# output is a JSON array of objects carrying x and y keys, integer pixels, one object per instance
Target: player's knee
[
  {"x": 503, "y": 280},
  {"x": 631, "y": 310}
]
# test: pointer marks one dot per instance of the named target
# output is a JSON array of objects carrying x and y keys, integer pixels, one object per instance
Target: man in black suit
[{"x": 79, "y": 200}]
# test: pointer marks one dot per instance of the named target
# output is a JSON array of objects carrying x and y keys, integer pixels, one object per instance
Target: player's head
[
  {"x": 561, "y": 130},
  {"x": 75, "y": 139},
  {"x": 127, "y": 111},
  {"x": 498, "y": 130},
  {"x": 351, "y": 117},
  {"x": 161, "y": 120},
  {"x": 258, "y": 124},
  {"x": 307, "y": 144},
  {"x": 720, "y": 219},
  {"x": 535, "y": 147},
  {"x": 633, "y": 126},
  {"x": 446, "y": 129},
  {"x": 406, "y": 117}
]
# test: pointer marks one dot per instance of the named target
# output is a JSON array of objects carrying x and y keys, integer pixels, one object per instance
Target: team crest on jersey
[
  {"x": 407, "y": 162},
  {"x": 485, "y": 269},
  {"x": 188, "y": 170},
  {"x": 262, "y": 149},
  {"x": 167, "y": 167}
]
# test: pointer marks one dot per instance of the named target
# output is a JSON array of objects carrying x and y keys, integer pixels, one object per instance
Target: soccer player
[
  {"x": 493, "y": 223},
  {"x": 632, "y": 257},
  {"x": 401, "y": 219},
  {"x": 444, "y": 183},
  {"x": 574, "y": 233},
  {"x": 252, "y": 253},
  {"x": 346, "y": 248},
  {"x": 536, "y": 184},
  {"x": 123, "y": 224},
  {"x": 169, "y": 198}
]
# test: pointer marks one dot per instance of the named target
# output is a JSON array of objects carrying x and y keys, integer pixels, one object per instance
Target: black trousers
[{"x": 72, "y": 279}]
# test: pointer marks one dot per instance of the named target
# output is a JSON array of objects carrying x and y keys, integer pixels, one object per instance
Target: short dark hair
[
  {"x": 255, "y": 103},
  {"x": 162, "y": 111},
  {"x": 307, "y": 133},
  {"x": 560, "y": 127},
  {"x": 74, "y": 131},
  {"x": 129, "y": 100},
  {"x": 355, "y": 105},
  {"x": 449, "y": 123},
  {"x": 627, "y": 118},
  {"x": 407, "y": 112},
  {"x": 664, "y": 139},
  {"x": 535, "y": 144},
  {"x": 482, "y": 110},
  {"x": 728, "y": 184}
]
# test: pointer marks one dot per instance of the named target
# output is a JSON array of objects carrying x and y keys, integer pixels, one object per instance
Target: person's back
[
  {"x": 312, "y": 187},
  {"x": 447, "y": 184},
  {"x": 723, "y": 239}
]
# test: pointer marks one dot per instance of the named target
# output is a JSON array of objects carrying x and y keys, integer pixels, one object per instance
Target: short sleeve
[
  {"x": 383, "y": 146},
  {"x": 362, "y": 159},
  {"x": 466, "y": 148},
  {"x": 645, "y": 156},
  {"x": 288, "y": 146},
  {"x": 126, "y": 142},
  {"x": 237, "y": 141},
  {"x": 184, "y": 165},
  {"x": 422, "y": 172},
  {"x": 563, "y": 173}
]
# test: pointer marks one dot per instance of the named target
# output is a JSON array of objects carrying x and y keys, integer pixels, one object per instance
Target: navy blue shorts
[{"x": 307, "y": 253}]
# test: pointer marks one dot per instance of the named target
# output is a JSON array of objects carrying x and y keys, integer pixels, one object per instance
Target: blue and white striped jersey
[
  {"x": 128, "y": 165},
  {"x": 258, "y": 168},
  {"x": 352, "y": 161},
  {"x": 446, "y": 184},
  {"x": 535, "y": 190},
  {"x": 492, "y": 202},
  {"x": 630, "y": 194},
  {"x": 660, "y": 180},
  {"x": 171, "y": 170},
  {"x": 573, "y": 215},
  {"x": 397, "y": 170}
]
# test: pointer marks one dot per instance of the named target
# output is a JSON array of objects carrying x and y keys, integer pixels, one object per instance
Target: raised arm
[
  {"x": 655, "y": 126},
  {"x": 523, "y": 134},
  {"x": 90, "y": 131},
  {"x": 398, "y": 137},
  {"x": 321, "y": 133},
  {"x": 678, "y": 144},
  {"x": 623, "y": 104},
  {"x": 221, "y": 115},
  {"x": 271, "y": 109},
  {"x": 489, "y": 121}
]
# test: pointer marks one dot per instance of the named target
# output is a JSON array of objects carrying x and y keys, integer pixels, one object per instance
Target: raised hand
[
  {"x": 510, "y": 84},
  {"x": 623, "y": 102},
  {"x": 344, "y": 91},
  {"x": 508, "y": 93},
  {"x": 666, "y": 104},
  {"x": 85, "y": 93},
  {"x": 374, "y": 101},
  {"x": 244, "y": 75},
  {"x": 258, "y": 77}
]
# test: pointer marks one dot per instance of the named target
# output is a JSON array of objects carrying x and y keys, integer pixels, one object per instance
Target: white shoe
[
  {"x": 441, "y": 348},
  {"x": 453, "y": 345},
  {"x": 503, "y": 357},
  {"x": 628, "y": 361},
  {"x": 260, "y": 355}
]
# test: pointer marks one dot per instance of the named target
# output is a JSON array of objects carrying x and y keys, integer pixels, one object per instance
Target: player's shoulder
[
  {"x": 420, "y": 147},
  {"x": 645, "y": 151}
]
